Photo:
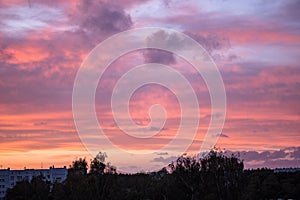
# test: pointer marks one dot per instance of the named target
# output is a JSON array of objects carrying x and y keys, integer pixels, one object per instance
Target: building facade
[
  {"x": 286, "y": 170},
  {"x": 9, "y": 178}
]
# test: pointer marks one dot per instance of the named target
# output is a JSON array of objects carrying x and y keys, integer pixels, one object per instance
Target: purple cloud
[
  {"x": 163, "y": 160},
  {"x": 158, "y": 56},
  {"x": 101, "y": 18},
  {"x": 286, "y": 157}
]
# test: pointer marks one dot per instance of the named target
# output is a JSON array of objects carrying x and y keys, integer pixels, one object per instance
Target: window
[{"x": 19, "y": 178}]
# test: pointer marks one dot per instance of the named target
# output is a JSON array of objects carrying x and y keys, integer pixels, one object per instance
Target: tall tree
[
  {"x": 98, "y": 165},
  {"x": 79, "y": 166}
]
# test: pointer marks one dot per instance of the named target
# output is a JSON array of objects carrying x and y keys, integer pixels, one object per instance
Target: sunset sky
[{"x": 255, "y": 45}]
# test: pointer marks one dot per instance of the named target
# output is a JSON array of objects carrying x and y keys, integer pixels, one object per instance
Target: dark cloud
[
  {"x": 291, "y": 9},
  {"x": 162, "y": 153},
  {"x": 101, "y": 18},
  {"x": 153, "y": 128},
  {"x": 163, "y": 160},
  {"x": 286, "y": 157},
  {"x": 211, "y": 42},
  {"x": 296, "y": 153},
  {"x": 159, "y": 56},
  {"x": 277, "y": 154},
  {"x": 167, "y": 2},
  {"x": 222, "y": 135},
  {"x": 283, "y": 163},
  {"x": 161, "y": 38},
  {"x": 40, "y": 123},
  {"x": 4, "y": 55},
  {"x": 254, "y": 155}
]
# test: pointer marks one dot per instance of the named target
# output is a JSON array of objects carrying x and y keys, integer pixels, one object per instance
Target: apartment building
[{"x": 9, "y": 178}]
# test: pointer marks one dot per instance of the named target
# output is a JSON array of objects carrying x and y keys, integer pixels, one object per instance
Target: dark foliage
[
  {"x": 215, "y": 176},
  {"x": 37, "y": 189}
]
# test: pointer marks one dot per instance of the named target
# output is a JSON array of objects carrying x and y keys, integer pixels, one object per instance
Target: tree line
[{"x": 216, "y": 176}]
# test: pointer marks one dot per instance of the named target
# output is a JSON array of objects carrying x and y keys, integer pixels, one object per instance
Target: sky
[{"x": 255, "y": 45}]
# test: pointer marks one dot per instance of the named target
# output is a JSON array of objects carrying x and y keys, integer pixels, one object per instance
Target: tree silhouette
[
  {"x": 36, "y": 189},
  {"x": 79, "y": 166},
  {"x": 215, "y": 176},
  {"x": 98, "y": 165}
]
